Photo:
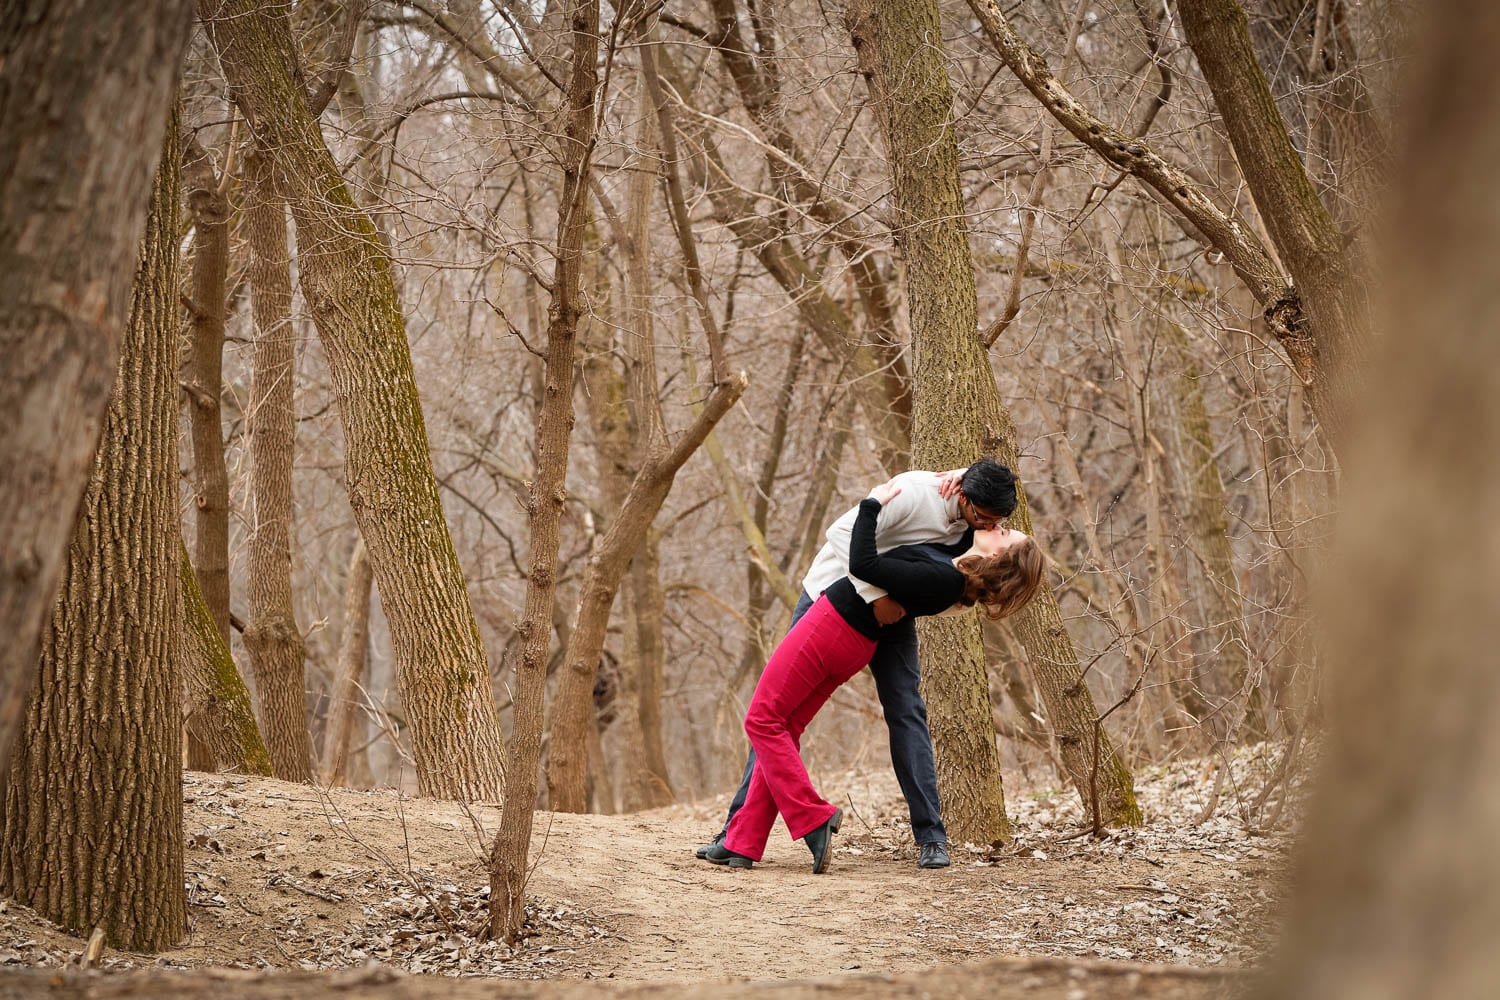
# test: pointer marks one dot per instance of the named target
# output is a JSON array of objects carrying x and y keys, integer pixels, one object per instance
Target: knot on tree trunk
[{"x": 1288, "y": 323}]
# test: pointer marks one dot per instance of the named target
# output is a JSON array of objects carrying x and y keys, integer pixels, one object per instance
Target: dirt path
[{"x": 284, "y": 877}]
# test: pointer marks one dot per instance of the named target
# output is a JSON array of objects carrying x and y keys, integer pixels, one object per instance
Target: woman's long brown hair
[{"x": 1005, "y": 583}]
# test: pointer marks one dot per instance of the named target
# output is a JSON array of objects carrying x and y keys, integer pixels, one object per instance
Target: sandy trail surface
[{"x": 295, "y": 890}]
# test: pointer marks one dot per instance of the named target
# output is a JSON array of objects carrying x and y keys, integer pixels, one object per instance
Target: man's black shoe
[
  {"x": 934, "y": 855},
  {"x": 820, "y": 841},
  {"x": 718, "y": 854},
  {"x": 703, "y": 849}
]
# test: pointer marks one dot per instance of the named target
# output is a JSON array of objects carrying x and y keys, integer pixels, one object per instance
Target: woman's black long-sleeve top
[{"x": 921, "y": 578}]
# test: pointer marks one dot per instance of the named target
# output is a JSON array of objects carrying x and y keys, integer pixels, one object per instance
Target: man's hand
[
  {"x": 887, "y": 610},
  {"x": 886, "y": 492},
  {"x": 948, "y": 483}
]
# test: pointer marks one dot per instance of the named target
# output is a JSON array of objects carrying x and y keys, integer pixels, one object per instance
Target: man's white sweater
[{"x": 916, "y": 514}]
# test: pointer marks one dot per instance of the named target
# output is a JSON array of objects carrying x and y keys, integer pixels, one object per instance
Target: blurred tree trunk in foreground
[
  {"x": 93, "y": 808},
  {"x": 85, "y": 91},
  {"x": 1398, "y": 892}
]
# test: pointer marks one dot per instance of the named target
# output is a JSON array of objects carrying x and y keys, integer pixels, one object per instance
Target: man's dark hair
[{"x": 991, "y": 487}]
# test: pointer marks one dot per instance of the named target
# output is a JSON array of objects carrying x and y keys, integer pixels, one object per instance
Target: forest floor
[{"x": 287, "y": 882}]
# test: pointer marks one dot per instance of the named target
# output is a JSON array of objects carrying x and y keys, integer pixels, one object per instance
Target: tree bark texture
[
  {"x": 93, "y": 806},
  {"x": 346, "y": 276},
  {"x": 899, "y": 48},
  {"x": 1336, "y": 314},
  {"x": 209, "y": 208},
  {"x": 216, "y": 704},
  {"x": 554, "y": 426},
  {"x": 958, "y": 414},
  {"x": 275, "y": 642},
  {"x": 1413, "y": 694},
  {"x": 85, "y": 92},
  {"x": 354, "y": 646}
]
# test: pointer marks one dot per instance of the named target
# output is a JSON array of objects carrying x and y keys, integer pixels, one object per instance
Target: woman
[{"x": 832, "y": 643}]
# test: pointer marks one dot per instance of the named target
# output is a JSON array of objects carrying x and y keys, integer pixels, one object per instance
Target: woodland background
[
  {"x": 1161, "y": 435},
  {"x": 492, "y": 369}
]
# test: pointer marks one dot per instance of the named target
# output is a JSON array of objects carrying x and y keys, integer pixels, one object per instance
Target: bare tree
[
  {"x": 272, "y": 636},
  {"x": 958, "y": 414},
  {"x": 93, "y": 827},
  {"x": 1319, "y": 322},
  {"x": 208, "y": 205},
  {"x": 346, "y": 276},
  {"x": 1310, "y": 246},
  {"x": 554, "y": 424},
  {"x": 354, "y": 644},
  {"x": 660, "y": 460}
]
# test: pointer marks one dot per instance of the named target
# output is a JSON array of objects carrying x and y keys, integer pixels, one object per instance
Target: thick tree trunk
[
  {"x": 554, "y": 425},
  {"x": 354, "y": 645},
  {"x": 205, "y": 384},
  {"x": 93, "y": 807},
  {"x": 957, "y": 415},
  {"x": 272, "y": 636},
  {"x": 216, "y": 704},
  {"x": 89, "y": 86},
  {"x": 900, "y": 54},
  {"x": 1411, "y": 757},
  {"x": 1307, "y": 242},
  {"x": 347, "y": 278}
]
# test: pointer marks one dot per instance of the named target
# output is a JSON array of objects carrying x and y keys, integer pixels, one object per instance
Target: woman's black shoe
[
  {"x": 718, "y": 854},
  {"x": 820, "y": 841},
  {"x": 703, "y": 849}
]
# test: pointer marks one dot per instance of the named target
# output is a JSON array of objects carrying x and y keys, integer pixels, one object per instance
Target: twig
[
  {"x": 379, "y": 856},
  {"x": 857, "y": 816},
  {"x": 329, "y": 897}
]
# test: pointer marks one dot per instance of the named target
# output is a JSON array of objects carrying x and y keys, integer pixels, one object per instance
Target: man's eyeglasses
[{"x": 984, "y": 519}]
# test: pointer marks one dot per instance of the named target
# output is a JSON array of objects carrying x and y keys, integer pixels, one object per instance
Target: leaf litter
[{"x": 283, "y": 876}]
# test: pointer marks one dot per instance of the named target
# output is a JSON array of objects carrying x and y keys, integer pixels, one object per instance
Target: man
[{"x": 928, "y": 509}]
